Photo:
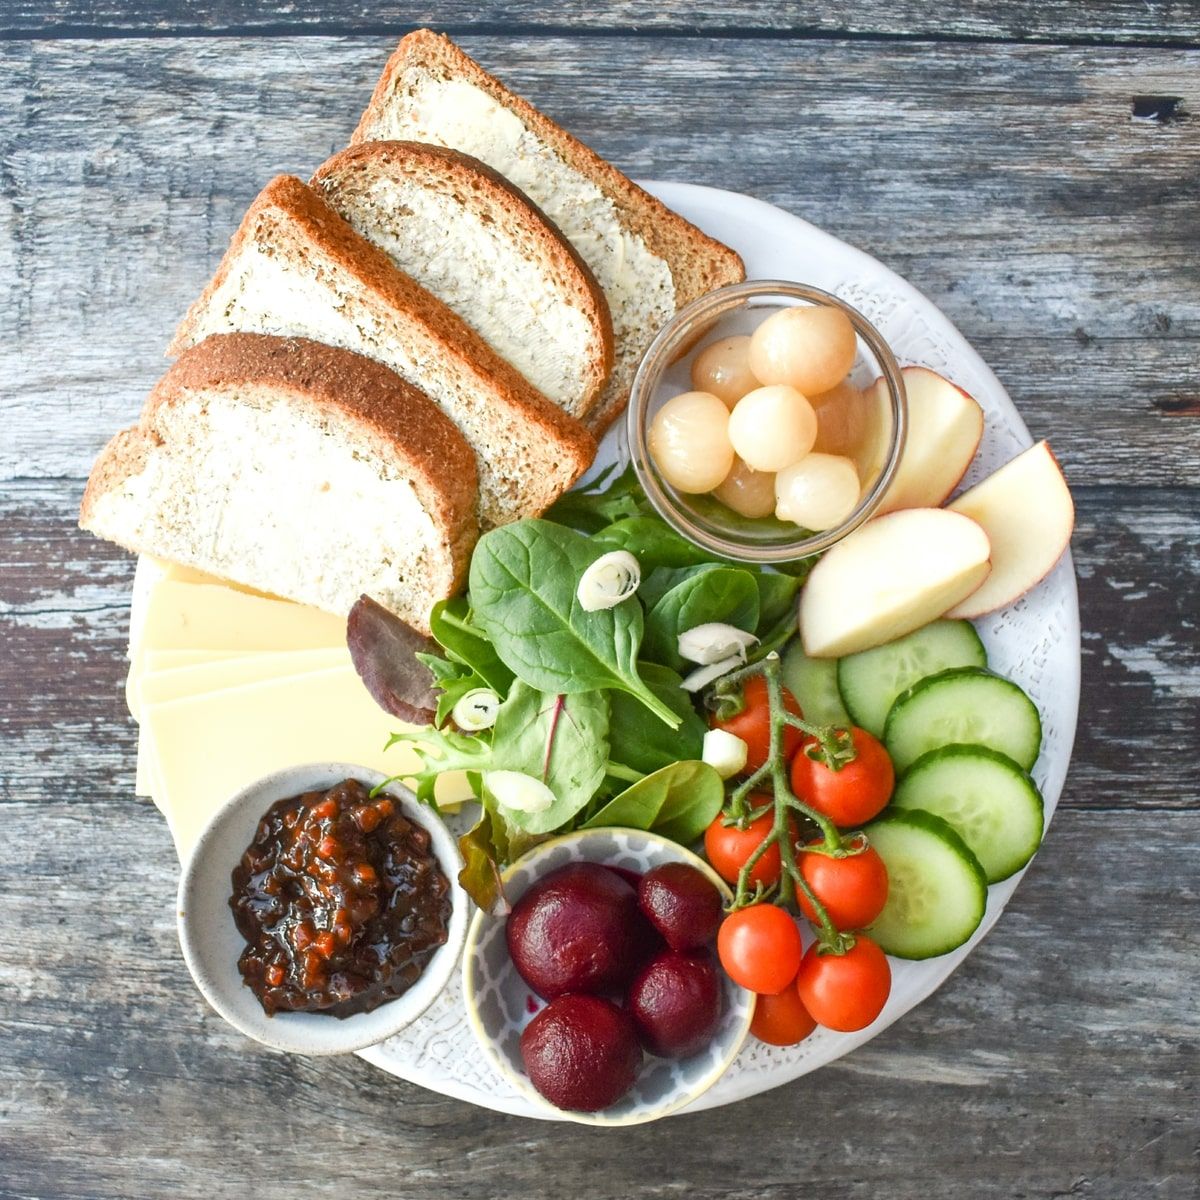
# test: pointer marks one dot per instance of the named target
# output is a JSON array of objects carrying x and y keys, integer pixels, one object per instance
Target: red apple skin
[
  {"x": 1046, "y": 533},
  {"x": 893, "y": 501}
]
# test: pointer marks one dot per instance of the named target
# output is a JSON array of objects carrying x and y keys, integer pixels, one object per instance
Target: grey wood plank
[
  {"x": 1060, "y": 1060},
  {"x": 1101, "y": 20},
  {"x": 64, "y": 600},
  {"x": 1011, "y": 184}
]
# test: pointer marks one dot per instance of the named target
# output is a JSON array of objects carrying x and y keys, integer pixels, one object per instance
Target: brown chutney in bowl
[{"x": 341, "y": 902}]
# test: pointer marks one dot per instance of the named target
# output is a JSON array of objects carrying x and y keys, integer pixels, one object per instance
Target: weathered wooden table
[{"x": 1033, "y": 167}]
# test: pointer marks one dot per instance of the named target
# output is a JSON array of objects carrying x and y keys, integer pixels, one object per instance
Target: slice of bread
[
  {"x": 476, "y": 242},
  {"x": 296, "y": 268},
  {"x": 295, "y": 468},
  {"x": 649, "y": 260}
]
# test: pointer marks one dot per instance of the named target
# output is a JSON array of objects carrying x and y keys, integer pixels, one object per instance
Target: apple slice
[
  {"x": 944, "y": 429},
  {"x": 1027, "y": 511},
  {"x": 889, "y": 577}
]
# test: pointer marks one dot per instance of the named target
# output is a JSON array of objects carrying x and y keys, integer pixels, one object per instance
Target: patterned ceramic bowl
[{"x": 498, "y": 999}]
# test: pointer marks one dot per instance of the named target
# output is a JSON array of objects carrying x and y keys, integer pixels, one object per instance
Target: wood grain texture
[
  {"x": 1020, "y": 1078},
  {"x": 1155, "y": 21},
  {"x": 1011, "y": 185}
]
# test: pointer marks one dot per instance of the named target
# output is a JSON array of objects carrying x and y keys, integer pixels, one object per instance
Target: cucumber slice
[
  {"x": 988, "y": 800},
  {"x": 966, "y": 706},
  {"x": 871, "y": 680},
  {"x": 937, "y": 891},
  {"x": 813, "y": 681}
]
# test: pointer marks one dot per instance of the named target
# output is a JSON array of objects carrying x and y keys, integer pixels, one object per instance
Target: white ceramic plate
[{"x": 1035, "y": 642}]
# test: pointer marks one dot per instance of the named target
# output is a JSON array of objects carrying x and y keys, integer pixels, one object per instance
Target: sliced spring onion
[
  {"x": 518, "y": 791},
  {"x": 714, "y": 642},
  {"x": 476, "y": 710},
  {"x": 613, "y": 577},
  {"x": 703, "y": 676}
]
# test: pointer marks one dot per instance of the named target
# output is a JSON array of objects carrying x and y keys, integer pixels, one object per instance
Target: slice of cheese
[
  {"x": 205, "y": 748},
  {"x": 202, "y": 616},
  {"x": 173, "y": 615},
  {"x": 215, "y": 675}
]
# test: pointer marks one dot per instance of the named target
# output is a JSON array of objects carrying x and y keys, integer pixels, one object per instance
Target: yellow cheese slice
[
  {"x": 217, "y": 674},
  {"x": 201, "y": 616},
  {"x": 185, "y": 574},
  {"x": 197, "y": 616},
  {"x": 205, "y": 748}
]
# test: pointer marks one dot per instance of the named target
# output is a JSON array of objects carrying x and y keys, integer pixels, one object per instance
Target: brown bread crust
[
  {"x": 699, "y": 263},
  {"x": 337, "y": 383},
  {"x": 439, "y": 333},
  {"x": 441, "y": 169}
]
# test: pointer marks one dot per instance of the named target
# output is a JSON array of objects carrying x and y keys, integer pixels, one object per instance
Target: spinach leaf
[
  {"x": 465, "y": 642},
  {"x": 776, "y": 596},
  {"x": 523, "y": 582},
  {"x": 648, "y": 745},
  {"x": 601, "y": 502},
  {"x": 724, "y": 594},
  {"x": 680, "y": 802},
  {"x": 653, "y": 542},
  {"x": 561, "y": 740}
]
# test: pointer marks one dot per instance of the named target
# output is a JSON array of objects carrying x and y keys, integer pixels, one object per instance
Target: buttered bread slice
[
  {"x": 477, "y": 243},
  {"x": 649, "y": 260},
  {"x": 295, "y": 468},
  {"x": 296, "y": 268}
]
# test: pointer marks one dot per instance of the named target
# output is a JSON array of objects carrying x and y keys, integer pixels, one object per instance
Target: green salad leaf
[
  {"x": 646, "y": 746},
  {"x": 523, "y": 583},
  {"x": 599, "y": 503},
  {"x": 724, "y": 594},
  {"x": 464, "y": 642},
  {"x": 679, "y": 801},
  {"x": 653, "y": 543},
  {"x": 561, "y": 740}
]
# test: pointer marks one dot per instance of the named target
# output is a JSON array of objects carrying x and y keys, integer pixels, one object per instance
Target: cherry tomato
[
  {"x": 856, "y": 793},
  {"x": 728, "y": 847},
  {"x": 760, "y": 948},
  {"x": 853, "y": 889},
  {"x": 781, "y": 1020},
  {"x": 753, "y": 724},
  {"x": 845, "y": 991}
]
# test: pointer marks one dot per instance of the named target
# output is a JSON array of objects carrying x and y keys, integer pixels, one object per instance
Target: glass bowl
[{"x": 665, "y": 371}]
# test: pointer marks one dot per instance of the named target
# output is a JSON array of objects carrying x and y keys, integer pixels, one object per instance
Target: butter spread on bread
[
  {"x": 477, "y": 242},
  {"x": 649, "y": 260},
  {"x": 295, "y": 468},
  {"x": 296, "y": 268}
]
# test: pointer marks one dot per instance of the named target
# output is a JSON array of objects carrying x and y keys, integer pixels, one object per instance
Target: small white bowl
[
  {"x": 212, "y": 945},
  {"x": 499, "y": 1001}
]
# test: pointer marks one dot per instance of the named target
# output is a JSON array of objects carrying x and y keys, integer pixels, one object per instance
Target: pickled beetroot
[
  {"x": 676, "y": 1003},
  {"x": 682, "y": 904},
  {"x": 581, "y": 1052},
  {"x": 577, "y": 930}
]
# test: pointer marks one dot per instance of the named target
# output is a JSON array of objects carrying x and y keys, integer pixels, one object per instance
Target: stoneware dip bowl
[
  {"x": 499, "y": 1001},
  {"x": 211, "y": 942}
]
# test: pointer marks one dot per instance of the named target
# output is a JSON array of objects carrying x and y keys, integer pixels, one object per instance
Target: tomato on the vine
[
  {"x": 853, "y": 889},
  {"x": 727, "y": 848},
  {"x": 760, "y": 948},
  {"x": 847, "y": 991},
  {"x": 853, "y": 794},
  {"x": 782, "y": 1019},
  {"x": 753, "y": 723}
]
